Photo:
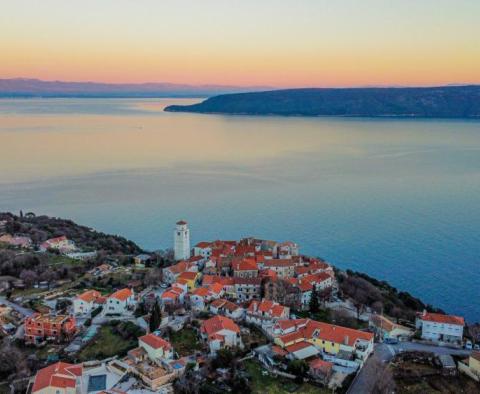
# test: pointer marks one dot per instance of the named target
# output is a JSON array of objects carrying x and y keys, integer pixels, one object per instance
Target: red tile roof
[
  {"x": 336, "y": 334},
  {"x": 89, "y": 295},
  {"x": 279, "y": 263},
  {"x": 155, "y": 341},
  {"x": 320, "y": 364},
  {"x": 201, "y": 292},
  {"x": 188, "y": 275},
  {"x": 122, "y": 294},
  {"x": 218, "y": 323},
  {"x": 446, "y": 319},
  {"x": 246, "y": 265},
  {"x": 298, "y": 346},
  {"x": 215, "y": 288},
  {"x": 59, "y": 375},
  {"x": 203, "y": 245}
]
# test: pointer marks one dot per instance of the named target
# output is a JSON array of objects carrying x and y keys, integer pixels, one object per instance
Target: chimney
[
  {"x": 424, "y": 313},
  {"x": 345, "y": 340}
]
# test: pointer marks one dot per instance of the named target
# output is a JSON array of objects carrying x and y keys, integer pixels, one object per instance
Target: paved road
[
  {"x": 365, "y": 380},
  {"x": 24, "y": 311}
]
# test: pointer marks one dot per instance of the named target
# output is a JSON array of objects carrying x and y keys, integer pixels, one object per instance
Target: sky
[{"x": 278, "y": 43}]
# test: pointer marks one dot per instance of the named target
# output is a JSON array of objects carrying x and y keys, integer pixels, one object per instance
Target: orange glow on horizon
[{"x": 315, "y": 43}]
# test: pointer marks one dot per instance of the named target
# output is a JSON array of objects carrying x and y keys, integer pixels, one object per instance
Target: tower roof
[{"x": 181, "y": 222}]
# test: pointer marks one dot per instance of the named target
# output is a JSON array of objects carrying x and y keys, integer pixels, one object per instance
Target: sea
[{"x": 398, "y": 199}]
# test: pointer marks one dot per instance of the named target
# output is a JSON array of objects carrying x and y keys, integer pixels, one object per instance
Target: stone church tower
[{"x": 181, "y": 239}]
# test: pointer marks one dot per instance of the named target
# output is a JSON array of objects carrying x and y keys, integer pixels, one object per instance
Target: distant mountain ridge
[
  {"x": 410, "y": 102},
  {"x": 24, "y": 87}
]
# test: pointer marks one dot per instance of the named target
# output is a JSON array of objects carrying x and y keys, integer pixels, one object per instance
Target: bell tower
[{"x": 181, "y": 239}]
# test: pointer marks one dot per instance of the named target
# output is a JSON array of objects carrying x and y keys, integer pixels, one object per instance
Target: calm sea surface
[{"x": 397, "y": 199}]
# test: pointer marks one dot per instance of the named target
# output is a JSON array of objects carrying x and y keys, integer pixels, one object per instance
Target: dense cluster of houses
[{"x": 229, "y": 287}]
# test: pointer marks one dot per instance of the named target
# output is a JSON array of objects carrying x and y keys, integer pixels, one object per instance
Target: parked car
[
  {"x": 468, "y": 345},
  {"x": 391, "y": 341}
]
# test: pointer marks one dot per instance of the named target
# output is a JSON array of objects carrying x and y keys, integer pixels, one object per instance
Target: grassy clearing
[
  {"x": 107, "y": 343},
  {"x": 185, "y": 341},
  {"x": 268, "y": 384}
]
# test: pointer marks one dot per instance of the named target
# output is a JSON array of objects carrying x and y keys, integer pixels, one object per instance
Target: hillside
[
  {"x": 434, "y": 102},
  {"x": 41, "y": 228},
  {"x": 23, "y": 87}
]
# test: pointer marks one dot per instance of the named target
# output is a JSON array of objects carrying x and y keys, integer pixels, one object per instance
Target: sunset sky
[{"x": 281, "y": 43}]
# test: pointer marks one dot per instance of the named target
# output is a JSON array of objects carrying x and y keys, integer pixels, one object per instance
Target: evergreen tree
[
  {"x": 314, "y": 305},
  {"x": 155, "y": 317}
]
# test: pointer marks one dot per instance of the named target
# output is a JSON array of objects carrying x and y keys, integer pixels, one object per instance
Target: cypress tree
[
  {"x": 155, "y": 317},
  {"x": 314, "y": 305}
]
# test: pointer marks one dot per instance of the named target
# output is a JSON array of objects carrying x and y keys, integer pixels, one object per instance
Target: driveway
[
  {"x": 365, "y": 379},
  {"x": 20, "y": 309}
]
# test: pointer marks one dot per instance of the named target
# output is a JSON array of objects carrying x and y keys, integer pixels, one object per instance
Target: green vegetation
[
  {"x": 441, "y": 102},
  {"x": 114, "y": 339},
  {"x": 185, "y": 341},
  {"x": 268, "y": 384},
  {"x": 380, "y": 296},
  {"x": 155, "y": 317}
]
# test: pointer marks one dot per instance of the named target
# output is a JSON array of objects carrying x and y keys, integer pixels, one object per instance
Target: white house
[
  {"x": 221, "y": 332},
  {"x": 63, "y": 244},
  {"x": 385, "y": 328},
  {"x": 227, "y": 308},
  {"x": 119, "y": 302},
  {"x": 266, "y": 312},
  {"x": 171, "y": 274},
  {"x": 156, "y": 347},
  {"x": 84, "y": 303},
  {"x": 440, "y": 328},
  {"x": 203, "y": 249}
]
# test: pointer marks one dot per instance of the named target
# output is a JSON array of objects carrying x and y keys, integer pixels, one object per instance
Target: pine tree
[
  {"x": 155, "y": 317},
  {"x": 314, "y": 305}
]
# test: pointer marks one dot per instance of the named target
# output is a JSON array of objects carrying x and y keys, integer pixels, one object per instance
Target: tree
[
  {"x": 314, "y": 305},
  {"x": 299, "y": 368},
  {"x": 155, "y": 317},
  {"x": 29, "y": 277}
]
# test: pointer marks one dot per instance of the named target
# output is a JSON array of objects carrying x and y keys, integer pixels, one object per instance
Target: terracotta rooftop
[
  {"x": 218, "y": 323},
  {"x": 155, "y": 341},
  {"x": 445, "y": 319},
  {"x": 122, "y": 294},
  {"x": 59, "y": 375}
]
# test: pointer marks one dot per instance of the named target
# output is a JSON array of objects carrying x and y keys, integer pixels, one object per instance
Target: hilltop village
[{"x": 85, "y": 312}]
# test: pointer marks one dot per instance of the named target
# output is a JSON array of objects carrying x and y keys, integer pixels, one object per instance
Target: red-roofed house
[
  {"x": 301, "y": 350},
  {"x": 285, "y": 268},
  {"x": 58, "y": 378},
  {"x": 221, "y": 332},
  {"x": 39, "y": 327},
  {"x": 331, "y": 339},
  {"x": 119, "y": 302},
  {"x": 440, "y": 328},
  {"x": 62, "y": 244},
  {"x": 266, "y": 312},
  {"x": 191, "y": 278},
  {"x": 203, "y": 249},
  {"x": 84, "y": 303},
  {"x": 321, "y": 281},
  {"x": 286, "y": 250},
  {"x": 170, "y": 274},
  {"x": 156, "y": 347},
  {"x": 320, "y": 370},
  {"x": 245, "y": 268},
  {"x": 247, "y": 289},
  {"x": 227, "y": 308}
]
